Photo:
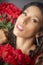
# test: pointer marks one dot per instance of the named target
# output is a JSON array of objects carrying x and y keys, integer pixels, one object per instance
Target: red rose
[
  {"x": 10, "y": 10},
  {"x": 14, "y": 56}
]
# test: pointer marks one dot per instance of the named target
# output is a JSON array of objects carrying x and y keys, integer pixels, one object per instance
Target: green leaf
[
  {"x": 2, "y": 25},
  {"x": 6, "y": 25},
  {"x": 6, "y": 64}
]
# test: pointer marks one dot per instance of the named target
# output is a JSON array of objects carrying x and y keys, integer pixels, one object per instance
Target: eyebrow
[{"x": 24, "y": 13}]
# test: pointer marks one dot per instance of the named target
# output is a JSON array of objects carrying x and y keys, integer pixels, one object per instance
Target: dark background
[{"x": 20, "y": 3}]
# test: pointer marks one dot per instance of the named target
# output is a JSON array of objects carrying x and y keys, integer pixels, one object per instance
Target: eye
[
  {"x": 34, "y": 20},
  {"x": 24, "y": 13}
]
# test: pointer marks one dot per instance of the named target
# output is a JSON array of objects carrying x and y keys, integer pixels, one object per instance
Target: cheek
[
  {"x": 18, "y": 22},
  {"x": 32, "y": 29}
]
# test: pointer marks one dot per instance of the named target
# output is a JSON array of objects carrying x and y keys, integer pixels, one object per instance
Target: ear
[{"x": 39, "y": 34}]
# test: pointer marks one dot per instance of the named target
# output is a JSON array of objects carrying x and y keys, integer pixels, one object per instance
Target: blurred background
[{"x": 20, "y": 3}]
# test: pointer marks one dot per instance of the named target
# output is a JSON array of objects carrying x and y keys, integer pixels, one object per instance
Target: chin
[
  {"x": 20, "y": 34},
  {"x": 16, "y": 33}
]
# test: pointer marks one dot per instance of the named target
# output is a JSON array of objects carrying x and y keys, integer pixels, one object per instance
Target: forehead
[{"x": 34, "y": 11}]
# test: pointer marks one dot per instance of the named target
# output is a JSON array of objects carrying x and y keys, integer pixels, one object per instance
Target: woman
[{"x": 28, "y": 31}]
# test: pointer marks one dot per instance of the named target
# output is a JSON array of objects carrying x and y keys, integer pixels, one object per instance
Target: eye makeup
[
  {"x": 24, "y": 13},
  {"x": 35, "y": 19}
]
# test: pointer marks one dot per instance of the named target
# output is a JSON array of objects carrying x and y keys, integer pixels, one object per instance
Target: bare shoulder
[{"x": 39, "y": 60}]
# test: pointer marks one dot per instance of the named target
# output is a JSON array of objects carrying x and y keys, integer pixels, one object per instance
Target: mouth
[{"x": 19, "y": 27}]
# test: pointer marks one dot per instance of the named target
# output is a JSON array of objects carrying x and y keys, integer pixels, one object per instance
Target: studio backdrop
[{"x": 20, "y": 3}]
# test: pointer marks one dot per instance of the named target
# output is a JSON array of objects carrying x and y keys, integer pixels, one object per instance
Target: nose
[{"x": 24, "y": 20}]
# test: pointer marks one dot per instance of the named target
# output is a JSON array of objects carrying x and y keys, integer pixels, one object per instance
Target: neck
[{"x": 24, "y": 44}]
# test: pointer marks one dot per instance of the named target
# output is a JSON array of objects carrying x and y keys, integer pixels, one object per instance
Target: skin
[
  {"x": 3, "y": 38},
  {"x": 31, "y": 20}
]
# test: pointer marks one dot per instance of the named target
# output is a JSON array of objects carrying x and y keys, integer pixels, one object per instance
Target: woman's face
[{"x": 28, "y": 23}]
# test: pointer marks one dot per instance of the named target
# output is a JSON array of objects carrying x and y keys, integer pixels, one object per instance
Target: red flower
[
  {"x": 12, "y": 56},
  {"x": 10, "y": 10}
]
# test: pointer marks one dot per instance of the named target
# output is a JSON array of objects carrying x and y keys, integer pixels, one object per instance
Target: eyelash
[
  {"x": 24, "y": 13},
  {"x": 35, "y": 21}
]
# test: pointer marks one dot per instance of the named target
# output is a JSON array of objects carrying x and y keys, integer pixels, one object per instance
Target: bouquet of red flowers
[
  {"x": 8, "y": 55},
  {"x": 12, "y": 56},
  {"x": 9, "y": 12}
]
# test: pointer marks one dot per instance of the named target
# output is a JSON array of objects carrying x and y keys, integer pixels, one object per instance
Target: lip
[{"x": 20, "y": 27}]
